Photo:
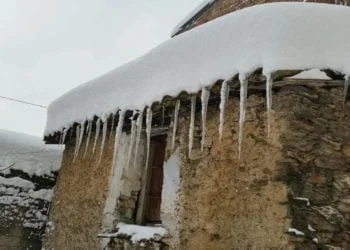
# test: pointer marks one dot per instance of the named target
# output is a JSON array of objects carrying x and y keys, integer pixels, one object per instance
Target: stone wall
[
  {"x": 223, "y": 7},
  {"x": 24, "y": 206},
  {"x": 316, "y": 165}
]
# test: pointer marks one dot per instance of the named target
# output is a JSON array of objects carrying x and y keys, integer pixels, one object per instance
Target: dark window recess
[{"x": 154, "y": 195}]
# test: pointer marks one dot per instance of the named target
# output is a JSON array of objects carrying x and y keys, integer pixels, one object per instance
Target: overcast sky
[{"x": 47, "y": 47}]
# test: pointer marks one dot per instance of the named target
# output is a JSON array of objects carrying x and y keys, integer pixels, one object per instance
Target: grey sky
[{"x": 47, "y": 47}]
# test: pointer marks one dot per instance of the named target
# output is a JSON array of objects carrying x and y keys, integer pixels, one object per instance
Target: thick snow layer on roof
[
  {"x": 28, "y": 154},
  {"x": 190, "y": 15},
  {"x": 273, "y": 36}
]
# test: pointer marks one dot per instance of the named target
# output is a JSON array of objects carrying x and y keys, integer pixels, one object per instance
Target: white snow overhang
[{"x": 270, "y": 36}]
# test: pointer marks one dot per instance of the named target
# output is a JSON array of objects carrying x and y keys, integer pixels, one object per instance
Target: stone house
[{"x": 216, "y": 167}]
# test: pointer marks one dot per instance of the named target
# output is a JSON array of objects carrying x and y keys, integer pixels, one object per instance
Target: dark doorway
[{"x": 154, "y": 194}]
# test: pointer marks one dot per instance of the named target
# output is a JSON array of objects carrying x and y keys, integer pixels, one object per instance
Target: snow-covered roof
[
  {"x": 28, "y": 154},
  {"x": 178, "y": 28},
  {"x": 272, "y": 36}
]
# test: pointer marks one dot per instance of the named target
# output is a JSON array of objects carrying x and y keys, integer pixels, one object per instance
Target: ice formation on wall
[
  {"x": 112, "y": 125},
  {"x": 223, "y": 103},
  {"x": 205, "y": 100},
  {"x": 104, "y": 135},
  {"x": 176, "y": 116},
  {"x": 132, "y": 137},
  {"x": 138, "y": 135},
  {"x": 118, "y": 133},
  {"x": 191, "y": 130},
  {"x": 97, "y": 133},
  {"x": 242, "y": 110},
  {"x": 148, "y": 132},
  {"x": 77, "y": 136},
  {"x": 89, "y": 129},
  {"x": 268, "y": 101}
]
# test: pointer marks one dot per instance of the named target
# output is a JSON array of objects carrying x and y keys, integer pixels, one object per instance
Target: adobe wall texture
[
  {"x": 223, "y": 7},
  {"x": 79, "y": 198},
  {"x": 225, "y": 203},
  {"x": 300, "y": 178}
]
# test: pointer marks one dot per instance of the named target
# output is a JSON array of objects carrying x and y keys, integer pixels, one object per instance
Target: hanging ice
[
  {"x": 204, "y": 99},
  {"x": 97, "y": 133},
  {"x": 148, "y": 132},
  {"x": 191, "y": 131},
  {"x": 242, "y": 110},
  {"x": 81, "y": 135},
  {"x": 89, "y": 128},
  {"x": 112, "y": 126},
  {"x": 118, "y": 134},
  {"x": 77, "y": 135},
  {"x": 346, "y": 87},
  {"x": 176, "y": 117},
  {"x": 104, "y": 134},
  {"x": 64, "y": 135},
  {"x": 268, "y": 101},
  {"x": 138, "y": 135},
  {"x": 223, "y": 103},
  {"x": 132, "y": 136}
]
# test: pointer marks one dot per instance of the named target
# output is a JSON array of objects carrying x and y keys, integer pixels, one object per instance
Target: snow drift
[{"x": 272, "y": 36}]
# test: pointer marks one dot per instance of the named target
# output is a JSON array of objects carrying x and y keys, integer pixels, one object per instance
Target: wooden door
[{"x": 158, "y": 145}]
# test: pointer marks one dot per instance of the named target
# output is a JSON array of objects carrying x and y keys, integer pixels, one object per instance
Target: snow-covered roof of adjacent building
[
  {"x": 270, "y": 36},
  {"x": 190, "y": 16},
  {"x": 28, "y": 154}
]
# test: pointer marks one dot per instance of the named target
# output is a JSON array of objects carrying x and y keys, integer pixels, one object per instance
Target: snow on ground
[
  {"x": 138, "y": 233},
  {"x": 273, "y": 36},
  {"x": 187, "y": 18},
  {"x": 28, "y": 154}
]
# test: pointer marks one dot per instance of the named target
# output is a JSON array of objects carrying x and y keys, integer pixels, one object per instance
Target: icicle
[
  {"x": 132, "y": 136},
  {"x": 82, "y": 127},
  {"x": 204, "y": 99},
  {"x": 268, "y": 102},
  {"x": 112, "y": 126},
  {"x": 97, "y": 133},
  {"x": 118, "y": 134},
  {"x": 60, "y": 140},
  {"x": 138, "y": 135},
  {"x": 148, "y": 132},
  {"x": 77, "y": 136},
  {"x": 89, "y": 129},
  {"x": 223, "y": 103},
  {"x": 176, "y": 118},
  {"x": 191, "y": 131},
  {"x": 64, "y": 135},
  {"x": 242, "y": 110},
  {"x": 346, "y": 87},
  {"x": 104, "y": 134}
]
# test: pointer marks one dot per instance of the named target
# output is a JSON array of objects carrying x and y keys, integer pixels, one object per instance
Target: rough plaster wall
[
  {"x": 222, "y": 7},
  {"x": 79, "y": 198},
  {"x": 226, "y": 204}
]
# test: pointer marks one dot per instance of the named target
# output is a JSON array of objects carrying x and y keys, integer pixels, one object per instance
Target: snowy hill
[{"x": 28, "y": 154}]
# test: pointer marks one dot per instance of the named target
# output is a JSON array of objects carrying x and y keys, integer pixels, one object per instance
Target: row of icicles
[{"x": 136, "y": 124}]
